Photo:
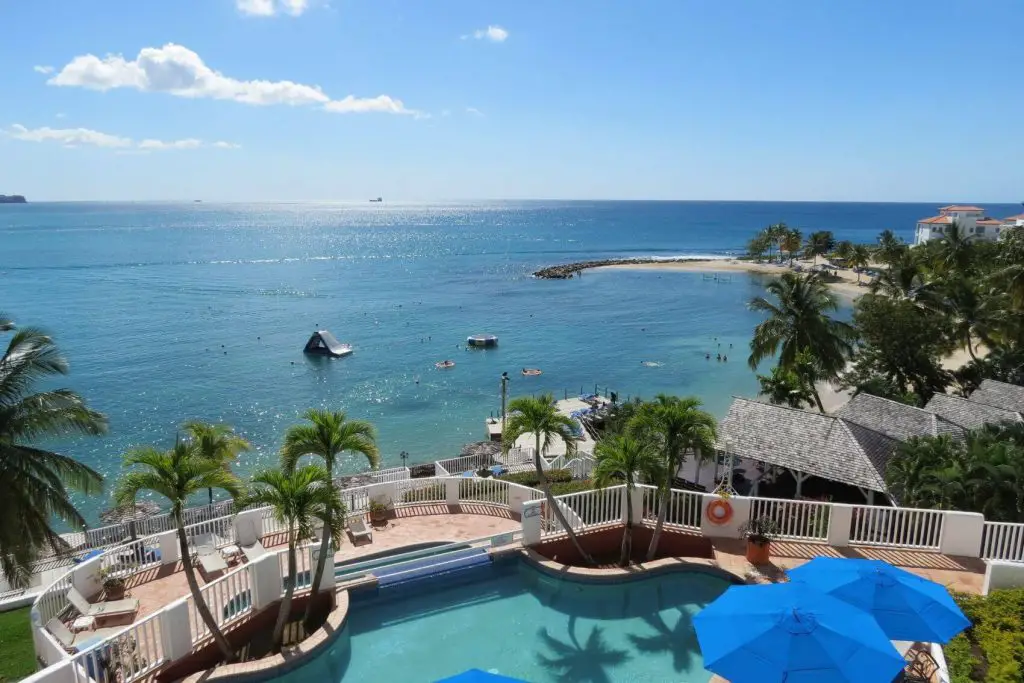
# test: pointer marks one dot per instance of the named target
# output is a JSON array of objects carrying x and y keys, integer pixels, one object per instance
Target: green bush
[
  {"x": 563, "y": 487},
  {"x": 992, "y": 650},
  {"x": 530, "y": 478},
  {"x": 19, "y": 656}
]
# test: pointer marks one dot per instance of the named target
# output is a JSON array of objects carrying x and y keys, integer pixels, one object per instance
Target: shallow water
[{"x": 177, "y": 311}]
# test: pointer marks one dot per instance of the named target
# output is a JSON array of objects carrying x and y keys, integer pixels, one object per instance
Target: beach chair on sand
[
  {"x": 209, "y": 556},
  {"x": 249, "y": 541},
  {"x": 101, "y": 610},
  {"x": 70, "y": 640},
  {"x": 359, "y": 529}
]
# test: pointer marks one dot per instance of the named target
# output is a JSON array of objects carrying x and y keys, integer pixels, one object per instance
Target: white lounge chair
[
  {"x": 70, "y": 640},
  {"x": 208, "y": 555},
  {"x": 248, "y": 540},
  {"x": 101, "y": 609},
  {"x": 359, "y": 529}
]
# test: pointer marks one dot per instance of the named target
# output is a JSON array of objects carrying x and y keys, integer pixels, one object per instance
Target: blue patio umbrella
[
  {"x": 906, "y": 606},
  {"x": 792, "y": 633},
  {"x": 478, "y": 676}
]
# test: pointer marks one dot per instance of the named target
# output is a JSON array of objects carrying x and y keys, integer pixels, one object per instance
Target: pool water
[{"x": 511, "y": 619}]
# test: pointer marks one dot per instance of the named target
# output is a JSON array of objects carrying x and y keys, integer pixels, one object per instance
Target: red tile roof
[
  {"x": 937, "y": 219},
  {"x": 960, "y": 207},
  {"x": 1018, "y": 217},
  {"x": 988, "y": 221}
]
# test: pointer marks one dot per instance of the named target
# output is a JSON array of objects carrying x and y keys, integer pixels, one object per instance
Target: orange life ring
[{"x": 719, "y": 511}]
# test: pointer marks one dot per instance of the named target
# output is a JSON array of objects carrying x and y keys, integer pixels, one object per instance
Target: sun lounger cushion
[
  {"x": 358, "y": 529},
  {"x": 70, "y": 640},
  {"x": 101, "y": 609},
  {"x": 212, "y": 562},
  {"x": 253, "y": 552}
]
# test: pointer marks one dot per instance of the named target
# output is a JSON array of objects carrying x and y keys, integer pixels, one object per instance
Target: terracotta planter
[
  {"x": 378, "y": 515},
  {"x": 759, "y": 553},
  {"x": 114, "y": 593}
]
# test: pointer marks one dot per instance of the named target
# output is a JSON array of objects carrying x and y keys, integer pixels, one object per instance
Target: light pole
[
  {"x": 725, "y": 486},
  {"x": 504, "y": 395},
  {"x": 405, "y": 459}
]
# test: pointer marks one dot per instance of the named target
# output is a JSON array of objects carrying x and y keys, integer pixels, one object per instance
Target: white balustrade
[
  {"x": 129, "y": 655},
  {"x": 1003, "y": 541},
  {"x": 896, "y": 527},
  {"x": 585, "y": 509},
  {"x": 420, "y": 491},
  {"x": 228, "y": 599},
  {"x": 456, "y": 466},
  {"x": 489, "y": 490},
  {"x": 684, "y": 507},
  {"x": 130, "y": 558},
  {"x": 391, "y": 474},
  {"x": 222, "y": 529},
  {"x": 303, "y": 568},
  {"x": 800, "y": 520},
  {"x": 440, "y": 471}
]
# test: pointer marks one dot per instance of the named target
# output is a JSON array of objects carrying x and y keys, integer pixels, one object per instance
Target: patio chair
[
  {"x": 101, "y": 610},
  {"x": 359, "y": 529},
  {"x": 208, "y": 555},
  {"x": 70, "y": 641},
  {"x": 248, "y": 540}
]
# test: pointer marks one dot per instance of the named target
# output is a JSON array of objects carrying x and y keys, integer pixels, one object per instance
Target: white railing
[
  {"x": 229, "y": 598},
  {"x": 489, "y": 490},
  {"x": 53, "y": 601},
  {"x": 684, "y": 507},
  {"x": 1003, "y": 541},
  {"x": 799, "y": 520},
  {"x": 420, "y": 491},
  {"x": 896, "y": 527},
  {"x": 581, "y": 468},
  {"x": 456, "y": 466},
  {"x": 519, "y": 456},
  {"x": 222, "y": 529},
  {"x": 440, "y": 471},
  {"x": 558, "y": 463},
  {"x": 130, "y": 655},
  {"x": 303, "y": 568},
  {"x": 132, "y": 557},
  {"x": 588, "y": 509},
  {"x": 390, "y": 474}
]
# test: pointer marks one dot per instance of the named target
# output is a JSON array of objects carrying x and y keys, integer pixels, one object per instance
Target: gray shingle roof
[
  {"x": 968, "y": 413},
  {"x": 1000, "y": 395},
  {"x": 820, "y": 445},
  {"x": 895, "y": 420}
]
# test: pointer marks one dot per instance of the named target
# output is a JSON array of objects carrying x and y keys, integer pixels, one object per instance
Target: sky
[{"x": 335, "y": 100}]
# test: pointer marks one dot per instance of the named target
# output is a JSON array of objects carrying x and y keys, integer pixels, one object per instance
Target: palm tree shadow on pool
[
  {"x": 584, "y": 662},
  {"x": 680, "y": 641}
]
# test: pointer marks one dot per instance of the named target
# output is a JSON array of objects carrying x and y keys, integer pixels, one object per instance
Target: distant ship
[
  {"x": 15, "y": 199},
  {"x": 378, "y": 200}
]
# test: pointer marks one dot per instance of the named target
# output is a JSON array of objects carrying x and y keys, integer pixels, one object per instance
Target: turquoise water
[
  {"x": 177, "y": 311},
  {"x": 515, "y": 621}
]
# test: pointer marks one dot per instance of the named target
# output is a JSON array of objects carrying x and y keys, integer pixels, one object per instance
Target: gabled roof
[
  {"x": 988, "y": 221},
  {"x": 821, "y": 445},
  {"x": 1018, "y": 217},
  {"x": 960, "y": 207},
  {"x": 968, "y": 413},
  {"x": 1000, "y": 395},
  {"x": 895, "y": 420},
  {"x": 937, "y": 219}
]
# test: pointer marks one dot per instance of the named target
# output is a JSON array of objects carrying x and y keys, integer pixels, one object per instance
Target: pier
[{"x": 569, "y": 270}]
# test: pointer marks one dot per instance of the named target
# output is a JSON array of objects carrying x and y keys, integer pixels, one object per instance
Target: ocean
[{"x": 169, "y": 312}]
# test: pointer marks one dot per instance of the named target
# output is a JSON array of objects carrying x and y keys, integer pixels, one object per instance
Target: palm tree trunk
[
  {"x": 627, "y": 534},
  {"x": 817, "y": 398},
  {"x": 970, "y": 349},
  {"x": 197, "y": 597},
  {"x": 555, "y": 509},
  {"x": 663, "y": 501},
  {"x": 286, "y": 602},
  {"x": 321, "y": 562}
]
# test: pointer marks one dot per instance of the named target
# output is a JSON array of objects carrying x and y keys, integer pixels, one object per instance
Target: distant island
[{"x": 12, "y": 199}]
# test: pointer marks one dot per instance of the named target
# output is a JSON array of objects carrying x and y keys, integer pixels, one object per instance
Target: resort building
[
  {"x": 971, "y": 219},
  {"x": 852, "y": 447}
]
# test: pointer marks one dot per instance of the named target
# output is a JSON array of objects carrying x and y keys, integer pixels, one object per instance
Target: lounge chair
[
  {"x": 101, "y": 610},
  {"x": 249, "y": 541},
  {"x": 209, "y": 556},
  {"x": 358, "y": 528},
  {"x": 70, "y": 640}
]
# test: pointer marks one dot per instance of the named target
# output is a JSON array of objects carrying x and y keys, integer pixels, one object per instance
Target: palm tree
[
  {"x": 215, "y": 442},
  {"x": 955, "y": 249},
  {"x": 970, "y": 314},
  {"x": 860, "y": 258},
  {"x": 799, "y": 321},
  {"x": 624, "y": 459},
  {"x": 538, "y": 416},
  {"x": 843, "y": 250},
  {"x": 820, "y": 243},
  {"x": 328, "y": 435},
  {"x": 890, "y": 247},
  {"x": 298, "y": 498},
  {"x": 676, "y": 425},
  {"x": 178, "y": 474},
  {"x": 791, "y": 243},
  {"x": 37, "y": 480}
]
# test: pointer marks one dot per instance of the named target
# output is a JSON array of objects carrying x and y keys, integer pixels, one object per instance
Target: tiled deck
[{"x": 419, "y": 524}]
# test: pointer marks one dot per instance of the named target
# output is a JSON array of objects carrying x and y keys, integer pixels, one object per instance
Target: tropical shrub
[{"x": 992, "y": 650}]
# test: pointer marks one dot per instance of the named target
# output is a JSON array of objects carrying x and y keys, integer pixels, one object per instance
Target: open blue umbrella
[
  {"x": 791, "y": 633},
  {"x": 906, "y": 606},
  {"x": 478, "y": 676}
]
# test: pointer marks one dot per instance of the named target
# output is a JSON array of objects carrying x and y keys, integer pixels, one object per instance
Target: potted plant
[
  {"x": 379, "y": 510},
  {"x": 113, "y": 586},
  {"x": 760, "y": 533}
]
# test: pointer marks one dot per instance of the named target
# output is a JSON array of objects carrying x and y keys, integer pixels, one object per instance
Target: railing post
[
  {"x": 961, "y": 534},
  {"x": 517, "y": 495},
  {"x": 175, "y": 631},
  {"x": 740, "y": 513},
  {"x": 451, "y": 491},
  {"x": 840, "y": 519},
  {"x": 532, "y": 514},
  {"x": 327, "y": 580},
  {"x": 169, "y": 550},
  {"x": 266, "y": 581}
]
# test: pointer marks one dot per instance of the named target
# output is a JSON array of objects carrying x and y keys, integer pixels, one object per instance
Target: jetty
[{"x": 569, "y": 270}]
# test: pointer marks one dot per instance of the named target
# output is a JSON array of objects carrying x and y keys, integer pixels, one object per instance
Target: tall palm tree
[
  {"x": 177, "y": 474},
  {"x": 328, "y": 435},
  {"x": 215, "y": 442},
  {"x": 299, "y": 498},
  {"x": 36, "y": 480},
  {"x": 971, "y": 315},
  {"x": 791, "y": 243},
  {"x": 905, "y": 279},
  {"x": 625, "y": 459},
  {"x": 860, "y": 258},
  {"x": 890, "y": 247},
  {"x": 538, "y": 416},
  {"x": 677, "y": 426},
  {"x": 956, "y": 250},
  {"x": 799, "y": 321},
  {"x": 843, "y": 249}
]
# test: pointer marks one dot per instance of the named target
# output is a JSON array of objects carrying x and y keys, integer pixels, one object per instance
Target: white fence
[
  {"x": 586, "y": 509},
  {"x": 129, "y": 655},
  {"x": 229, "y": 598},
  {"x": 798, "y": 520},
  {"x": 1003, "y": 541},
  {"x": 684, "y": 507},
  {"x": 392, "y": 474},
  {"x": 896, "y": 527},
  {"x": 456, "y": 466}
]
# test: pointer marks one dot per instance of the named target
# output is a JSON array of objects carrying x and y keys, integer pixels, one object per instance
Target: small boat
[
  {"x": 482, "y": 340},
  {"x": 323, "y": 343},
  {"x": 378, "y": 200},
  {"x": 444, "y": 364},
  {"x": 531, "y": 372},
  {"x": 650, "y": 364}
]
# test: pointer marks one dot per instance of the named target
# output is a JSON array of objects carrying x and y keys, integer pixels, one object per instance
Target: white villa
[{"x": 971, "y": 219}]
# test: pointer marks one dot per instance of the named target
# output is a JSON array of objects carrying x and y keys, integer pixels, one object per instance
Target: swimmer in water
[
  {"x": 719, "y": 357},
  {"x": 725, "y": 359},
  {"x": 707, "y": 356}
]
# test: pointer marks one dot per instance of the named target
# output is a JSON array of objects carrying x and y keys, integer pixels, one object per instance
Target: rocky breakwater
[{"x": 568, "y": 270}]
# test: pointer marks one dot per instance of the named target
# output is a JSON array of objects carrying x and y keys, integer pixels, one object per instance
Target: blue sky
[{"x": 458, "y": 99}]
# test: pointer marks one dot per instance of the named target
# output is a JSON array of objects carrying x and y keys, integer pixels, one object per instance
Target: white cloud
[
  {"x": 43, "y": 69},
  {"x": 474, "y": 111},
  {"x": 495, "y": 34},
  {"x": 268, "y": 8},
  {"x": 177, "y": 70},
  {"x": 76, "y": 137}
]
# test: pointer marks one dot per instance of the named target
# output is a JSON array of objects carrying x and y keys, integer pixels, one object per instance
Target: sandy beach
[{"x": 847, "y": 284}]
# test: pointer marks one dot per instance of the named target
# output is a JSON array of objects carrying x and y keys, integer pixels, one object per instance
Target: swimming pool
[{"x": 510, "y": 618}]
